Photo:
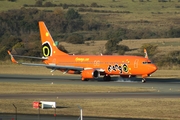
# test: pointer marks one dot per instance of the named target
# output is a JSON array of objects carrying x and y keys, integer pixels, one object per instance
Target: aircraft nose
[{"x": 153, "y": 68}]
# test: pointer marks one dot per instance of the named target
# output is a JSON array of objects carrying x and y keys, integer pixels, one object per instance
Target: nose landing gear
[{"x": 143, "y": 80}]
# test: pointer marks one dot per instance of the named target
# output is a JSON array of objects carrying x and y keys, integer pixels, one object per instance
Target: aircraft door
[
  {"x": 96, "y": 63},
  {"x": 136, "y": 63}
]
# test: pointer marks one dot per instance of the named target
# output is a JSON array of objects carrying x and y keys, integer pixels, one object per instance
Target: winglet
[
  {"x": 12, "y": 58},
  {"x": 145, "y": 52}
]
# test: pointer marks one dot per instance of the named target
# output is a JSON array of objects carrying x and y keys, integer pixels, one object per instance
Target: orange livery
[{"x": 89, "y": 66}]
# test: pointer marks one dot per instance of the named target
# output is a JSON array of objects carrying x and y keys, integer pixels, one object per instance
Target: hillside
[
  {"x": 165, "y": 45},
  {"x": 151, "y": 16},
  {"x": 93, "y": 22}
]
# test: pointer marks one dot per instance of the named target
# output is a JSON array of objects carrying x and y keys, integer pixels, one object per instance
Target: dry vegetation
[
  {"x": 121, "y": 108},
  {"x": 15, "y": 88},
  {"x": 153, "y": 15},
  {"x": 165, "y": 45}
]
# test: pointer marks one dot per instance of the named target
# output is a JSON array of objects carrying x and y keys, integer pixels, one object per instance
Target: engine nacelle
[{"x": 89, "y": 74}]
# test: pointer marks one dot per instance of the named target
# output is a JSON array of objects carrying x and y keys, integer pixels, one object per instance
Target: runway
[{"x": 165, "y": 87}]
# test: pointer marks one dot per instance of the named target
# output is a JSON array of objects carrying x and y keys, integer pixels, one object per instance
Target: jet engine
[{"x": 89, "y": 74}]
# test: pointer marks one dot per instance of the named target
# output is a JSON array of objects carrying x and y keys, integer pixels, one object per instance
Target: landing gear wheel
[
  {"x": 143, "y": 80},
  {"x": 107, "y": 78}
]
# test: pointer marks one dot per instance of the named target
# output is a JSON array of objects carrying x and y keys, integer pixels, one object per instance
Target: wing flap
[{"x": 98, "y": 69}]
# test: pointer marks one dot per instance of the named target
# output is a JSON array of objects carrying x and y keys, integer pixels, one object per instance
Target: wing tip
[
  {"x": 145, "y": 52},
  {"x": 9, "y": 52},
  {"x": 12, "y": 58}
]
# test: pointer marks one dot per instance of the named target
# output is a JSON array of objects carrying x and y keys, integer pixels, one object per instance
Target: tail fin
[
  {"x": 48, "y": 46},
  {"x": 145, "y": 52}
]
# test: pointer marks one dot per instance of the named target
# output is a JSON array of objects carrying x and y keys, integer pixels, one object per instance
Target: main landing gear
[{"x": 107, "y": 78}]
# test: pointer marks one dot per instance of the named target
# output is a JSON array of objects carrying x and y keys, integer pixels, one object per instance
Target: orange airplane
[{"x": 89, "y": 66}]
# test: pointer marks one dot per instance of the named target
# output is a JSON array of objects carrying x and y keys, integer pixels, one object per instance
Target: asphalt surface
[
  {"x": 164, "y": 85},
  {"x": 165, "y": 88},
  {"x": 52, "y": 117}
]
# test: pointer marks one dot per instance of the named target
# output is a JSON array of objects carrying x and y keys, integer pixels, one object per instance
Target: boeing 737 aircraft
[{"x": 89, "y": 66}]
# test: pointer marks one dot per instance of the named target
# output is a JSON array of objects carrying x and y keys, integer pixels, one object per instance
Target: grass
[
  {"x": 160, "y": 15},
  {"x": 146, "y": 11},
  {"x": 165, "y": 45},
  {"x": 15, "y": 88},
  {"x": 20, "y": 69},
  {"x": 166, "y": 73},
  {"x": 165, "y": 108},
  {"x": 6, "y": 5}
]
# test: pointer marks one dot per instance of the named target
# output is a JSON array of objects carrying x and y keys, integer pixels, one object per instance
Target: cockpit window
[{"x": 146, "y": 62}]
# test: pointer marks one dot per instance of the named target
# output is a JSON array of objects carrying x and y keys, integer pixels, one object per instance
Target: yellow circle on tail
[
  {"x": 47, "y": 34},
  {"x": 46, "y": 51}
]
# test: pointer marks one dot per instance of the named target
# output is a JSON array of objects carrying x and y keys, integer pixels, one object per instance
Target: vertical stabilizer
[{"x": 48, "y": 46}]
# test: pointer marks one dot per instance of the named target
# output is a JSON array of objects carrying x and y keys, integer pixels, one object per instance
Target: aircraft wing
[
  {"x": 51, "y": 66},
  {"x": 56, "y": 67}
]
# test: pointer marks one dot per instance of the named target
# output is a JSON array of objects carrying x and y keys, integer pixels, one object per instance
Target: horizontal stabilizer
[
  {"x": 14, "y": 61},
  {"x": 40, "y": 58}
]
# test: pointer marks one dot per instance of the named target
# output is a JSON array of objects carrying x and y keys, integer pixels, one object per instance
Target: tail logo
[
  {"x": 47, "y": 34},
  {"x": 46, "y": 49}
]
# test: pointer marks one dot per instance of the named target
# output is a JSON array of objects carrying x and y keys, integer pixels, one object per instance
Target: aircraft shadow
[{"x": 163, "y": 80}]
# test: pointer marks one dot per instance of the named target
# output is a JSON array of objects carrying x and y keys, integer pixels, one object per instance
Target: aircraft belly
[{"x": 116, "y": 73}]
